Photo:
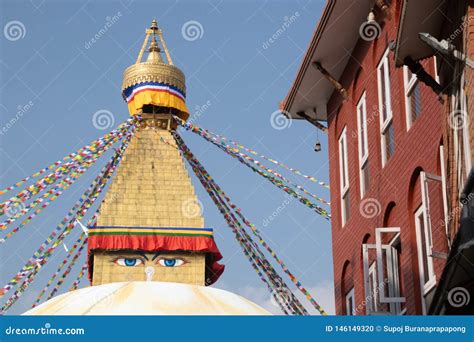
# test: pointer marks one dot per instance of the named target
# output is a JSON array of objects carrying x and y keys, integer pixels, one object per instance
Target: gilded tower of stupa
[
  {"x": 149, "y": 252},
  {"x": 150, "y": 224}
]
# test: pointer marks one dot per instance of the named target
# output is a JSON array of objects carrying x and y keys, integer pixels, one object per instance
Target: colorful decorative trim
[
  {"x": 122, "y": 230},
  {"x": 154, "y": 93},
  {"x": 130, "y": 92},
  {"x": 154, "y": 239}
]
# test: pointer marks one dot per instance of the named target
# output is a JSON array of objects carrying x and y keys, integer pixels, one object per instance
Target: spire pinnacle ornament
[{"x": 155, "y": 85}]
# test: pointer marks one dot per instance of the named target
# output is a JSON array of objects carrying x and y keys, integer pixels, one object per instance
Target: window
[
  {"x": 363, "y": 145},
  {"x": 412, "y": 97},
  {"x": 382, "y": 277},
  {"x": 344, "y": 176},
  {"x": 350, "y": 303},
  {"x": 372, "y": 302},
  {"x": 385, "y": 109},
  {"x": 424, "y": 240},
  {"x": 431, "y": 186}
]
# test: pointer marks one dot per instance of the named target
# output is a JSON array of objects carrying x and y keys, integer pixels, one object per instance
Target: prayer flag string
[
  {"x": 79, "y": 277},
  {"x": 282, "y": 295},
  {"x": 278, "y": 183},
  {"x": 190, "y": 157},
  {"x": 52, "y": 194},
  {"x": 80, "y": 240},
  {"x": 196, "y": 128},
  {"x": 68, "y": 270},
  {"x": 67, "y": 224},
  {"x": 124, "y": 126}
]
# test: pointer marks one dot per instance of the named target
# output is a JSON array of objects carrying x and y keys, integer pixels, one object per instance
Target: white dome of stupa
[{"x": 148, "y": 298}]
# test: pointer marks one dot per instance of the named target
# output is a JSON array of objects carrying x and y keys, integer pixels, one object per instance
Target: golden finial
[
  {"x": 155, "y": 69},
  {"x": 154, "y": 25},
  {"x": 154, "y": 52}
]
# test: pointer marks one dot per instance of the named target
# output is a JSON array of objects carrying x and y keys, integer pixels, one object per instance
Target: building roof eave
[
  {"x": 408, "y": 41},
  {"x": 335, "y": 37}
]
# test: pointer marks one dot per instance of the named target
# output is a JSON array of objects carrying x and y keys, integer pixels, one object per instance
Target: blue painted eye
[
  {"x": 129, "y": 262},
  {"x": 172, "y": 262}
]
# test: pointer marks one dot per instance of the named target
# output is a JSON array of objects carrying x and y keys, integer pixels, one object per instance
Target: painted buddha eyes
[
  {"x": 165, "y": 262},
  {"x": 171, "y": 262},
  {"x": 129, "y": 262}
]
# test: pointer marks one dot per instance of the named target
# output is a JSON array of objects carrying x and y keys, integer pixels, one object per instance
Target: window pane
[
  {"x": 345, "y": 203},
  {"x": 383, "y": 87},
  {"x": 424, "y": 257},
  {"x": 362, "y": 130},
  {"x": 372, "y": 301},
  {"x": 350, "y": 304},
  {"x": 365, "y": 177},
  {"x": 343, "y": 164},
  {"x": 389, "y": 137},
  {"x": 415, "y": 102}
]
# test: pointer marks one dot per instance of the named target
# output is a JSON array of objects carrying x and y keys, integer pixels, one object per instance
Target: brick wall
[
  {"x": 397, "y": 185},
  {"x": 469, "y": 41}
]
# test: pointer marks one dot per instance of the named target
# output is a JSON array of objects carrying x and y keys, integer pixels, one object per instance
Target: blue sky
[{"x": 236, "y": 77}]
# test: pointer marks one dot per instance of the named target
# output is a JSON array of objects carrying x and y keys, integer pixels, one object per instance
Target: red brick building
[{"x": 392, "y": 207}]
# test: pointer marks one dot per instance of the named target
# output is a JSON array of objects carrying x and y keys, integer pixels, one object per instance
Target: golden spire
[
  {"x": 154, "y": 52},
  {"x": 155, "y": 73}
]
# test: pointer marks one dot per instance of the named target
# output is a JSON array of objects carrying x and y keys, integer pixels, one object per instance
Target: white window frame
[
  {"x": 343, "y": 177},
  {"x": 372, "y": 292},
  {"x": 350, "y": 298},
  {"x": 465, "y": 130},
  {"x": 384, "y": 123},
  {"x": 393, "y": 277},
  {"x": 410, "y": 85},
  {"x": 363, "y": 153},
  {"x": 444, "y": 190},
  {"x": 375, "y": 272},
  {"x": 435, "y": 61},
  {"x": 424, "y": 210}
]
